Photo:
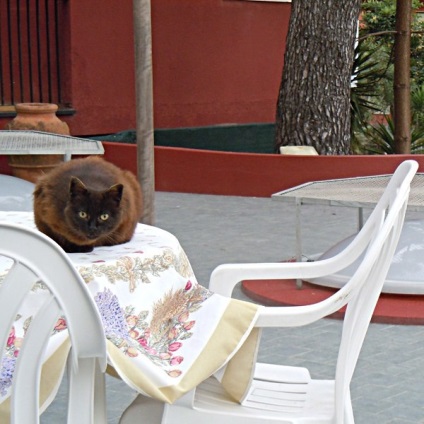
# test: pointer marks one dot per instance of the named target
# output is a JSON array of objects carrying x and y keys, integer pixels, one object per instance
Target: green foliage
[
  {"x": 417, "y": 107},
  {"x": 379, "y": 16},
  {"x": 367, "y": 73},
  {"x": 379, "y": 139}
]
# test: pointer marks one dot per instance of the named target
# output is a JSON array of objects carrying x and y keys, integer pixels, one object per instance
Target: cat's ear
[
  {"x": 115, "y": 192},
  {"x": 77, "y": 187}
]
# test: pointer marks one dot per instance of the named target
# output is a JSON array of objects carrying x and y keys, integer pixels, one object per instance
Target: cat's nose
[
  {"x": 92, "y": 230},
  {"x": 92, "y": 226}
]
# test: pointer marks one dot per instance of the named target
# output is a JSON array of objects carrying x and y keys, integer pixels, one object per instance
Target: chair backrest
[
  {"x": 37, "y": 259},
  {"x": 375, "y": 244},
  {"x": 379, "y": 238}
]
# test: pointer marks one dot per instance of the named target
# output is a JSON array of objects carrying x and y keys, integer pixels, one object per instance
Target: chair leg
[
  {"x": 100, "y": 409},
  {"x": 81, "y": 392},
  {"x": 136, "y": 411},
  {"x": 348, "y": 415}
]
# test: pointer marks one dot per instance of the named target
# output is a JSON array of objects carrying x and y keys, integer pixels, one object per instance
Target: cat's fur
[{"x": 87, "y": 202}]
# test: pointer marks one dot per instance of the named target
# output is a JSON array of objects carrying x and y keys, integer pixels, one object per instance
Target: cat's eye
[
  {"x": 82, "y": 214},
  {"x": 104, "y": 216}
]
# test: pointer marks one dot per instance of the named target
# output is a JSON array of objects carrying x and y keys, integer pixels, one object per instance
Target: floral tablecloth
[{"x": 165, "y": 332}]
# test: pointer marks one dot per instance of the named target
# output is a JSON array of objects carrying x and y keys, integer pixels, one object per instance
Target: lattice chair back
[
  {"x": 380, "y": 234},
  {"x": 35, "y": 259}
]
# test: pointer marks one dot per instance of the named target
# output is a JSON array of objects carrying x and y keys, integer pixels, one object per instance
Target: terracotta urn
[{"x": 36, "y": 117}]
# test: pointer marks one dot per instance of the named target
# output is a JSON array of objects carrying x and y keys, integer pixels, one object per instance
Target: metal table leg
[{"x": 298, "y": 237}]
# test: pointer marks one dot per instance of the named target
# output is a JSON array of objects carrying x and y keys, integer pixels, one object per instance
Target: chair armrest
[{"x": 225, "y": 277}]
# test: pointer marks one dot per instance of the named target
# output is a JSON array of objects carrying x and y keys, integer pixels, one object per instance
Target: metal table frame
[
  {"x": 14, "y": 142},
  {"x": 359, "y": 192}
]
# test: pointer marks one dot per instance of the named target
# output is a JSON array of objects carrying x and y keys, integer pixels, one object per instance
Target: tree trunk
[
  {"x": 401, "y": 84},
  {"x": 144, "y": 105},
  {"x": 313, "y": 107}
]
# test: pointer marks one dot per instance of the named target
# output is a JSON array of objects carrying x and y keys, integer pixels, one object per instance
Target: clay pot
[{"x": 36, "y": 117}]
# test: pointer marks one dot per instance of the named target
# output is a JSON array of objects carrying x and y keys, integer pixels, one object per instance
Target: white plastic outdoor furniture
[
  {"x": 15, "y": 194},
  {"x": 26, "y": 142},
  {"x": 361, "y": 193},
  {"x": 282, "y": 394},
  {"x": 36, "y": 258}
]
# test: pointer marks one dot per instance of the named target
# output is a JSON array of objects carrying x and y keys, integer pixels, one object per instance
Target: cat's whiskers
[{"x": 110, "y": 238}]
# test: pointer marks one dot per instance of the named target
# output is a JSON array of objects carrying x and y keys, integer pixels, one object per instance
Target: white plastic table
[
  {"x": 165, "y": 332},
  {"x": 13, "y": 142},
  {"x": 359, "y": 192}
]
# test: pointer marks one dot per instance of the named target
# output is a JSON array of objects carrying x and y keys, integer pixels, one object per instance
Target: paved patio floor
[{"x": 388, "y": 385}]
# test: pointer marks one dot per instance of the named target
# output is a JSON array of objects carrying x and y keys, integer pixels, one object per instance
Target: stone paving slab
[{"x": 388, "y": 385}]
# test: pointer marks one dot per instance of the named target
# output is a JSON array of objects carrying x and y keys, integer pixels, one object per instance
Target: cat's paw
[{"x": 77, "y": 249}]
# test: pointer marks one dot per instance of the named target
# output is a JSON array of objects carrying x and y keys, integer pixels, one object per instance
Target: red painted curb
[{"x": 390, "y": 309}]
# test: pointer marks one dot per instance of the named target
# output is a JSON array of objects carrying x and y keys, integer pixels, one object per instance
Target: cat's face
[{"x": 93, "y": 214}]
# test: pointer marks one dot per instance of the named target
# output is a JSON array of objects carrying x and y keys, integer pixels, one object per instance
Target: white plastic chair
[
  {"x": 36, "y": 258},
  {"x": 282, "y": 394}
]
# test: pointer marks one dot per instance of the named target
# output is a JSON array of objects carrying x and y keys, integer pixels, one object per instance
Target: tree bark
[
  {"x": 313, "y": 107},
  {"x": 401, "y": 83}
]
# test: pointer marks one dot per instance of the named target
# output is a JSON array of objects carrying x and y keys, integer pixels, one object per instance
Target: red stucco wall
[
  {"x": 214, "y": 62},
  {"x": 101, "y": 66},
  {"x": 217, "y": 61}
]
